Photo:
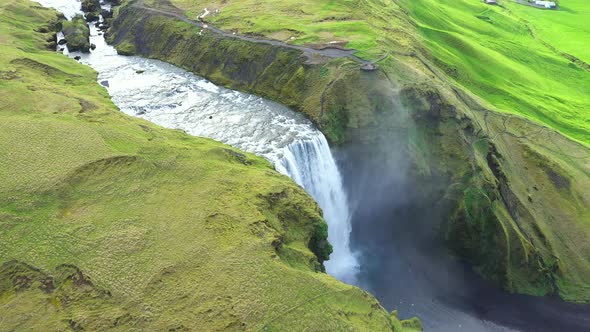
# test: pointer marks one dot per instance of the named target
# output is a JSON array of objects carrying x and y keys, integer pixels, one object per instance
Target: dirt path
[{"x": 313, "y": 55}]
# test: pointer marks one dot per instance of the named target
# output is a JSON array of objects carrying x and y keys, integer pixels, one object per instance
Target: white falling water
[
  {"x": 69, "y": 8},
  {"x": 174, "y": 98},
  {"x": 310, "y": 163}
]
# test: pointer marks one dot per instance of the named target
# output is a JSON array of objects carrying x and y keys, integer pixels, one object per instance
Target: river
[{"x": 393, "y": 252}]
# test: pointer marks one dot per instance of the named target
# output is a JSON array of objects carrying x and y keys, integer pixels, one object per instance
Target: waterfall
[
  {"x": 309, "y": 162},
  {"x": 173, "y": 98}
]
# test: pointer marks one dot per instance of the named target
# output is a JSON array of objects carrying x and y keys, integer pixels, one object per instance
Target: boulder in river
[
  {"x": 62, "y": 42},
  {"x": 77, "y": 34},
  {"x": 92, "y": 47},
  {"x": 77, "y": 58},
  {"x": 105, "y": 13},
  {"x": 105, "y": 83},
  {"x": 92, "y": 16},
  {"x": 90, "y": 6}
]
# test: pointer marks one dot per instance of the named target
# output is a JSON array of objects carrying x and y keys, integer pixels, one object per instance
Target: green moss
[
  {"x": 408, "y": 325},
  {"x": 77, "y": 33},
  {"x": 412, "y": 324},
  {"x": 319, "y": 244},
  {"x": 126, "y": 48}
]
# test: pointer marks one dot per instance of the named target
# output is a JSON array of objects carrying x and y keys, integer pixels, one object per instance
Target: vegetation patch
[
  {"x": 512, "y": 61},
  {"x": 77, "y": 34}
]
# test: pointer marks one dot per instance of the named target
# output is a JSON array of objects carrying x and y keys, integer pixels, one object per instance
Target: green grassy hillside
[
  {"x": 363, "y": 24},
  {"x": 111, "y": 223},
  {"x": 567, "y": 29},
  {"x": 495, "y": 54},
  {"x": 298, "y": 21},
  {"x": 528, "y": 233}
]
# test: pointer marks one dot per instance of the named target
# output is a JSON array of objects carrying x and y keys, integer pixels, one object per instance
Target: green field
[
  {"x": 295, "y": 21},
  {"x": 567, "y": 29},
  {"x": 301, "y": 22},
  {"x": 111, "y": 223},
  {"x": 491, "y": 52}
]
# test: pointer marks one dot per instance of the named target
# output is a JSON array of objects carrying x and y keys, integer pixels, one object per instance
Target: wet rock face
[
  {"x": 511, "y": 181},
  {"x": 106, "y": 14},
  {"x": 92, "y": 16}
]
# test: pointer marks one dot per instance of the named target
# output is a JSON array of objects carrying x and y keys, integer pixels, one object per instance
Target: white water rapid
[
  {"x": 310, "y": 163},
  {"x": 174, "y": 98}
]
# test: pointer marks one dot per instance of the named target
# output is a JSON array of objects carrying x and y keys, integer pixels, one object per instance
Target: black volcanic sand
[{"x": 404, "y": 263}]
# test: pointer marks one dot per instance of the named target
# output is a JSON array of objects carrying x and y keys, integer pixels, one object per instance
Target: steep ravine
[{"x": 505, "y": 194}]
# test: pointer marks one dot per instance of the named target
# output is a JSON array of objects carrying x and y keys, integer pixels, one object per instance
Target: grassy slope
[
  {"x": 567, "y": 28},
  {"x": 492, "y": 53},
  {"x": 359, "y": 22},
  {"x": 306, "y": 21},
  {"x": 169, "y": 231}
]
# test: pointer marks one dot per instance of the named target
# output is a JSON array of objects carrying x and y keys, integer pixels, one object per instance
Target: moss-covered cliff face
[
  {"x": 519, "y": 192},
  {"x": 77, "y": 34},
  {"x": 333, "y": 94},
  {"x": 110, "y": 223}
]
